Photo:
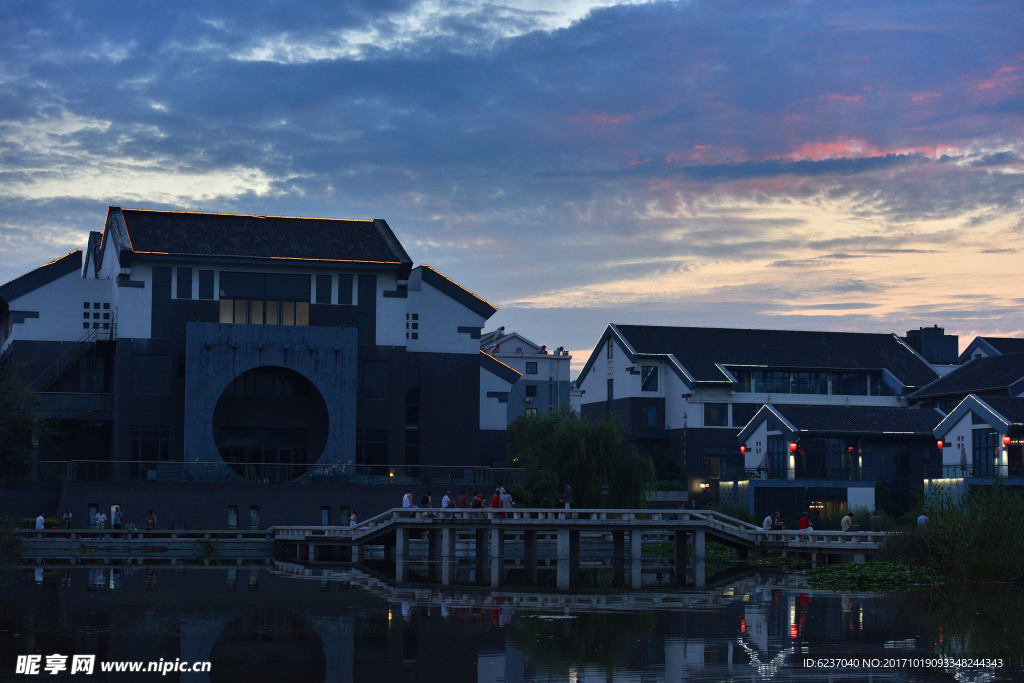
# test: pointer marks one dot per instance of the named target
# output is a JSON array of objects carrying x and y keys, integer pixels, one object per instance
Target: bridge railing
[
  {"x": 829, "y": 537},
  {"x": 109, "y": 534}
]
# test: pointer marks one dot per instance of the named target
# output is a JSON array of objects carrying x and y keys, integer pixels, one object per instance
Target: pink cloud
[
  {"x": 601, "y": 119},
  {"x": 836, "y": 97}
]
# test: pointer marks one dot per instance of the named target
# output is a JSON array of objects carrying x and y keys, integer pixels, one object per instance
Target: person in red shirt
[
  {"x": 805, "y": 522},
  {"x": 496, "y": 502}
]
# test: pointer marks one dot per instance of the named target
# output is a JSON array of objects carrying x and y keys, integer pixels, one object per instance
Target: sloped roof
[
  {"x": 1010, "y": 408},
  {"x": 860, "y": 419},
  {"x": 499, "y": 369},
  {"x": 455, "y": 291},
  {"x": 261, "y": 237},
  {"x": 1006, "y": 344},
  {"x": 700, "y": 349},
  {"x": 999, "y": 412},
  {"x": 978, "y": 375},
  {"x": 43, "y": 275}
]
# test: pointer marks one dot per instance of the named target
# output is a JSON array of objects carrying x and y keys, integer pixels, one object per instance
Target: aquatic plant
[{"x": 872, "y": 576}]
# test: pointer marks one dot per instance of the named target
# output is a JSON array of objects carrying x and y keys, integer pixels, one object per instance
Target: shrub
[{"x": 48, "y": 522}]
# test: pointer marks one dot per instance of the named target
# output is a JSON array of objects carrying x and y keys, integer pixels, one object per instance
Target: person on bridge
[
  {"x": 566, "y": 496},
  {"x": 767, "y": 523},
  {"x": 805, "y": 523},
  {"x": 777, "y": 523},
  {"x": 463, "y": 503},
  {"x": 876, "y": 522},
  {"x": 352, "y": 518},
  {"x": 847, "y": 522},
  {"x": 407, "y": 499}
]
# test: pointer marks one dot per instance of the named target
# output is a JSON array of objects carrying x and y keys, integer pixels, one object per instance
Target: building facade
[
  {"x": 544, "y": 384},
  {"x": 227, "y": 348}
]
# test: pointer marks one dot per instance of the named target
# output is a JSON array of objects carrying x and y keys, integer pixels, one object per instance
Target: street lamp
[{"x": 605, "y": 490}]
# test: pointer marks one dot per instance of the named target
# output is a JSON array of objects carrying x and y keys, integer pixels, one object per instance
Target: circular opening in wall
[{"x": 270, "y": 424}]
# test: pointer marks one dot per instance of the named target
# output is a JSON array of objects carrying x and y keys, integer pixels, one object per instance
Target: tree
[
  {"x": 19, "y": 425},
  {"x": 588, "y": 455}
]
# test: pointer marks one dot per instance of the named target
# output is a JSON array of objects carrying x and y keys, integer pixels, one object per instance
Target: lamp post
[{"x": 605, "y": 490}]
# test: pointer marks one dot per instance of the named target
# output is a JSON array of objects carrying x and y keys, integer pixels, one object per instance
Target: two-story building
[
  {"x": 999, "y": 376},
  {"x": 684, "y": 393},
  {"x": 217, "y": 348},
  {"x": 545, "y": 374}
]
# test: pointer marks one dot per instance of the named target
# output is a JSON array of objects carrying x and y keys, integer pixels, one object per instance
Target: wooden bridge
[{"x": 490, "y": 531}]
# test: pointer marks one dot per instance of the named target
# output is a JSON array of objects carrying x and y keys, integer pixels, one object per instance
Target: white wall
[
  {"x": 757, "y": 444},
  {"x": 959, "y": 435},
  {"x": 440, "y": 317},
  {"x": 60, "y": 308},
  {"x": 493, "y": 415},
  {"x": 860, "y": 497}
]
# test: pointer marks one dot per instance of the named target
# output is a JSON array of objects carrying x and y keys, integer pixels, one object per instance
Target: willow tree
[
  {"x": 588, "y": 455},
  {"x": 19, "y": 425}
]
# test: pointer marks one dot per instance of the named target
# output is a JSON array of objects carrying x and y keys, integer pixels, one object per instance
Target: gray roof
[
  {"x": 1010, "y": 408},
  {"x": 860, "y": 419},
  {"x": 978, "y": 375},
  {"x": 43, "y": 275},
  {"x": 701, "y": 349},
  {"x": 260, "y": 237}
]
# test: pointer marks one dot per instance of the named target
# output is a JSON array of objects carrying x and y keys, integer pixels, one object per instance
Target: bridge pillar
[
  {"x": 562, "y": 553},
  {"x": 698, "y": 557},
  {"x": 433, "y": 553},
  {"x": 816, "y": 559},
  {"x": 530, "y": 557},
  {"x": 635, "y": 580},
  {"x": 480, "y": 550},
  {"x": 359, "y": 553},
  {"x": 574, "y": 557},
  {"x": 401, "y": 555},
  {"x": 680, "y": 556},
  {"x": 497, "y": 556},
  {"x": 449, "y": 561},
  {"x": 618, "y": 557}
]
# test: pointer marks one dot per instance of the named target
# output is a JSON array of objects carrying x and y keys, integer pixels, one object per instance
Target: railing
[
  {"x": 811, "y": 538},
  {"x": 825, "y": 473},
  {"x": 178, "y": 471},
  {"x": 979, "y": 471},
  {"x": 74, "y": 534},
  {"x": 70, "y": 357},
  {"x": 70, "y": 405}
]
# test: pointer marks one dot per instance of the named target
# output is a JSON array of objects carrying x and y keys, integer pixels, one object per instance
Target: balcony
[
  {"x": 826, "y": 474},
  {"x": 73, "y": 406},
  {"x": 977, "y": 471}
]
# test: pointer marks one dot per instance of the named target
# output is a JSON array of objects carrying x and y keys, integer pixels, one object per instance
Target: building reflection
[{"x": 257, "y": 624}]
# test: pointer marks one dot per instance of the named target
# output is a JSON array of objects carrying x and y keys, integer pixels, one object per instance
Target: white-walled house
[
  {"x": 544, "y": 384},
  {"x": 684, "y": 393}
]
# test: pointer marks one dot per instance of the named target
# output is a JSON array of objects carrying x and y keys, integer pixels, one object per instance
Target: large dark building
[{"x": 212, "y": 348}]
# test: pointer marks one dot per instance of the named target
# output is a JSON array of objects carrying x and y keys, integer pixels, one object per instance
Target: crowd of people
[{"x": 500, "y": 499}]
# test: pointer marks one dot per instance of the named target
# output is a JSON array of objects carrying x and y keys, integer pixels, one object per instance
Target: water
[{"x": 254, "y": 623}]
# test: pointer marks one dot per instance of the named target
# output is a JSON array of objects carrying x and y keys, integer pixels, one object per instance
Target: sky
[{"x": 791, "y": 165}]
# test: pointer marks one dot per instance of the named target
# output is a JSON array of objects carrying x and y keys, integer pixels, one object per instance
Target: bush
[
  {"x": 978, "y": 537},
  {"x": 48, "y": 522}
]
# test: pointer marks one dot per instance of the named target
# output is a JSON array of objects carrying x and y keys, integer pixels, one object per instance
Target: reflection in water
[{"x": 254, "y": 623}]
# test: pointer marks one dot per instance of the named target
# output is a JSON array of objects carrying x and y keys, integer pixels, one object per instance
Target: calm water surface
[{"x": 257, "y": 624}]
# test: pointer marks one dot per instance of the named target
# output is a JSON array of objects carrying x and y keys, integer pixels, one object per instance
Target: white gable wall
[{"x": 60, "y": 307}]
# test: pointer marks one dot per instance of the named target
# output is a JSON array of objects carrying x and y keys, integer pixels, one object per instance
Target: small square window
[
  {"x": 86, "y": 315},
  {"x": 531, "y": 367},
  {"x": 96, "y": 316},
  {"x": 406, "y": 316},
  {"x": 406, "y": 335},
  {"x": 415, "y": 335},
  {"x": 96, "y": 305},
  {"x": 531, "y": 391},
  {"x": 415, "y": 316},
  {"x": 86, "y": 304},
  {"x": 415, "y": 326},
  {"x": 531, "y": 411},
  {"x": 85, "y": 326},
  {"x": 106, "y": 316},
  {"x": 106, "y": 326},
  {"x": 95, "y": 326},
  {"x": 106, "y": 306},
  {"x": 407, "y": 326}
]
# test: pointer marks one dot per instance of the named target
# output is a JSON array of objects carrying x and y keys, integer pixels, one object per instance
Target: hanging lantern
[
  {"x": 940, "y": 444},
  {"x": 792, "y": 446},
  {"x": 743, "y": 450},
  {"x": 851, "y": 449}
]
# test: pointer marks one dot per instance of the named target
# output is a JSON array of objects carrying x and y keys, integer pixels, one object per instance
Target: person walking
[
  {"x": 566, "y": 496},
  {"x": 352, "y": 518}
]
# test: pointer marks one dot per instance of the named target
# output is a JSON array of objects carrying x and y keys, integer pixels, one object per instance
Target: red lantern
[
  {"x": 743, "y": 450},
  {"x": 1006, "y": 439},
  {"x": 792, "y": 446},
  {"x": 850, "y": 449},
  {"x": 940, "y": 444}
]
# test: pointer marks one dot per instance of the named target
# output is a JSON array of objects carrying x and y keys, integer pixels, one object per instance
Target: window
[
  {"x": 649, "y": 378},
  {"x": 532, "y": 412},
  {"x": 850, "y": 384},
  {"x": 611, "y": 394},
  {"x": 810, "y": 383},
  {"x": 611, "y": 346},
  {"x": 325, "y": 515},
  {"x": 985, "y": 451},
  {"x": 184, "y": 283},
  {"x": 649, "y": 416},
  {"x": 778, "y": 452},
  {"x": 232, "y": 516},
  {"x": 323, "y": 289},
  {"x": 372, "y": 379},
  {"x": 771, "y": 382},
  {"x": 259, "y": 312},
  {"x": 371, "y": 447},
  {"x": 254, "y": 518},
  {"x": 151, "y": 444},
  {"x": 531, "y": 367},
  {"x": 742, "y": 413},
  {"x": 151, "y": 375},
  {"x": 205, "y": 284},
  {"x": 716, "y": 414},
  {"x": 531, "y": 390}
]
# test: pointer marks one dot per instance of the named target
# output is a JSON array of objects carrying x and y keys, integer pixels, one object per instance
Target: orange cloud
[{"x": 816, "y": 151}]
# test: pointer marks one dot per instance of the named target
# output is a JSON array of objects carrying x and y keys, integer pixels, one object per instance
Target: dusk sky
[{"x": 853, "y": 166}]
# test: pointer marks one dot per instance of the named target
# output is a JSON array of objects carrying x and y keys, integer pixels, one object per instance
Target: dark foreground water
[{"x": 254, "y": 623}]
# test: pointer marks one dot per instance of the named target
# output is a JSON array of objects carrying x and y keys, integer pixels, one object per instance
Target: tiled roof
[
  {"x": 860, "y": 419},
  {"x": 262, "y": 237},
  {"x": 1010, "y": 408},
  {"x": 43, "y": 275},
  {"x": 698, "y": 349},
  {"x": 978, "y": 375},
  {"x": 1006, "y": 344}
]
